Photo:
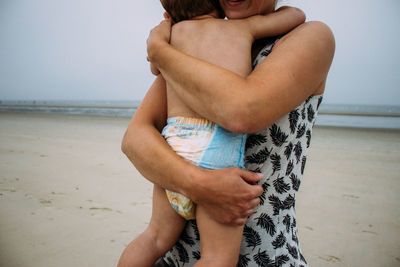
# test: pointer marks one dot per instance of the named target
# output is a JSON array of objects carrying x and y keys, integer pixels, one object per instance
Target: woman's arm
[
  {"x": 224, "y": 193},
  {"x": 297, "y": 66}
]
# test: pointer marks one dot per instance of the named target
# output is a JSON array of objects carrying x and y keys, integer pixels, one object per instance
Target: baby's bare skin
[{"x": 226, "y": 43}]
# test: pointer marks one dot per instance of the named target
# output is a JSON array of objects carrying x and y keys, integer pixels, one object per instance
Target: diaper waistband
[{"x": 191, "y": 121}]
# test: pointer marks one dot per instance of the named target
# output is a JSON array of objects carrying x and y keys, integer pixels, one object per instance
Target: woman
[{"x": 278, "y": 102}]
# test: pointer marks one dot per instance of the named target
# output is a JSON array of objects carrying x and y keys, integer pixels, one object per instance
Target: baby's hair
[{"x": 188, "y": 9}]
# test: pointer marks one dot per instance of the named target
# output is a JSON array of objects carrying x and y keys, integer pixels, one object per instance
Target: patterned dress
[{"x": 279, "y": 151}]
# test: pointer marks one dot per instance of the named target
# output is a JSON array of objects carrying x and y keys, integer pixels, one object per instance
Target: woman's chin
[{"x": 236, "y": 14}]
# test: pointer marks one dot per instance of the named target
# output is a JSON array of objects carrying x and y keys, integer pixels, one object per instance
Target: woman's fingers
[
  {"x": 252, "y": 205},
  {"x": 229, "y": 195},
  {"x": 158, "y": 36},
  {"x": 251, "y": 177}
]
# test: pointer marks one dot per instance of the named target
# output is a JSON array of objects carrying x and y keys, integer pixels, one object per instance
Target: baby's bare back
[{"x": 217, "y": 41}]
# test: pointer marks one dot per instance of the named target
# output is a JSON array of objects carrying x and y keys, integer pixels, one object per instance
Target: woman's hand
[
  {"x": 228, "y": 195},
  {"x": 158, "y": 37}
]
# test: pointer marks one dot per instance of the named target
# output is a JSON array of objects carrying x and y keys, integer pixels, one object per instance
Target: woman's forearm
[{"x": 148, "y": 150}]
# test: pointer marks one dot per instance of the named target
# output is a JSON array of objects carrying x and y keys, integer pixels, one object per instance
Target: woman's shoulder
[
  {"x": 314, "y": 34},
  {"x": 305, "y": 54}
]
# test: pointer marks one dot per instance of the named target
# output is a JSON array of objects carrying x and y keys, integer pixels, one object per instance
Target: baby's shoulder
[{"x": 210, "y": 31}]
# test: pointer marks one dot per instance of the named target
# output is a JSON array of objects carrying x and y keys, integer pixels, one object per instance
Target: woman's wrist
[{"x": 192, "y": 182}]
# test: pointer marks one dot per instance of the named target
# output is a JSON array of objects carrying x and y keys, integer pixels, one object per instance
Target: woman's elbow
[
  {"x": 127, "y": 144},
  {"x": 242, "y": 120},
  {"x": 243, "y": 126},
  {"x": 249, "y": 117},
  {"x": 240, "y": 127}
]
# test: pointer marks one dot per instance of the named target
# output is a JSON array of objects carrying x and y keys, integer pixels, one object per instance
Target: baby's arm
[{"x": 282, "y": 21}]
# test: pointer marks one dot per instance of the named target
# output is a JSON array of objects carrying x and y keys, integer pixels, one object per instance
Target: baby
[{"x": 199, "y": 30}]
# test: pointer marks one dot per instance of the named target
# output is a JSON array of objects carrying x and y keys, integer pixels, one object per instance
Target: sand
[{"x": 69, "y": 197}]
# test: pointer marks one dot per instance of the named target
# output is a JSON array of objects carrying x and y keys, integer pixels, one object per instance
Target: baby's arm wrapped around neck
[{"x": 276, "y": 23}]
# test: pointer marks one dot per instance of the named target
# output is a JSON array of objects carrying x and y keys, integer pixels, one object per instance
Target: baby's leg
[
  {"x": 162, "y": 233},
  {"x": 219, "y": 243}
]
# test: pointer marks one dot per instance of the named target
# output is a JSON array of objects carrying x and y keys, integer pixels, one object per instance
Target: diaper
[{"x": 205, "y": 144}]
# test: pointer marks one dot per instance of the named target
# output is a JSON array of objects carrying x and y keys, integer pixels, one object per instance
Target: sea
[{"x": 353, "y": 116}]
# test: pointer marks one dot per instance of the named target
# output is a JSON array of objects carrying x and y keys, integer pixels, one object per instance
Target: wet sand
[{"x": 69, "y": 197}]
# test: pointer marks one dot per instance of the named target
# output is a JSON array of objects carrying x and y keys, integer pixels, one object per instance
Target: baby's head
[{"x": 188, "y": 9}]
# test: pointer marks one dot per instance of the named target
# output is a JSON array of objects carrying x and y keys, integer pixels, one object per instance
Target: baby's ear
[{"x": 166, "y": 15}]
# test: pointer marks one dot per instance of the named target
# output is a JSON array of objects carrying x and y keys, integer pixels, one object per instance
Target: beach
[{"x": 70, "y": 197}]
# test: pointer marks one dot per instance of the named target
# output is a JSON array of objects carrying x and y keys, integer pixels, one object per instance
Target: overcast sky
[{"x": 95, "y": 49}]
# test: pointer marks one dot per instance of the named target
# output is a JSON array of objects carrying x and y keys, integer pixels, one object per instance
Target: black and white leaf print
[
  {"x": 256, "y": 170},
  {"x": 308, "y": 137},
  {"x": 183, "y": 255},
  {"x": 196, "y": 255},
  {"x": 295, "y": 182},
  {"x": 280, "y": 185},
  {"x": 288, "y": 202},
  {"x": 288, "y": 150},
  {"x": 281, "y": 260},
  {"x": 293, "y": 119},
  {"x": 302, "y": 258},
  {"x": 255, "y": 140},
  {"x": 319, "y": 101},
  {"x": 276, "y": 203},
  {"x": 292, "y": 251},
  {"x": 276, "y": 162},
  {"x": 289, "y": 168},
  {"x": 297, "y": 151},
  {"x": 294, "y": 232},
  {"x": 303, "y": 163},
  {"x": 243, "y": 261},
  {"x": 170, "y": 262},
  {"x": 262, "y": 259},
  {"x": 195, "y": 229},
  {"x": 265, "y": 222},
  {"x": 255, "y": 63},
  {"x": 295, "y": 238},
  {"x": 286, "y": 222},
  {"x": 266, "y": 52},
  {"x": 252, "y": 237},
  {"x": 308, "y": 99},
  {"x": 186, "y": 238},
  {"x": 301, "y": 130},
  {"x": 310, "y": 113},
  {"x": 260, "y": 157},
  {"x": 303, "y": 112},
  {"x": 279, "y": 241},
  {"x": 278, "y": 137},
  {"x": 265, "y": 188}
]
